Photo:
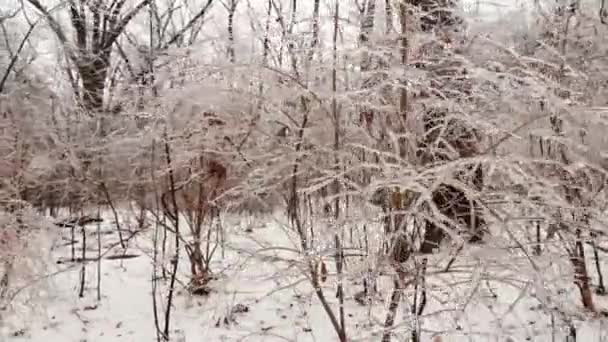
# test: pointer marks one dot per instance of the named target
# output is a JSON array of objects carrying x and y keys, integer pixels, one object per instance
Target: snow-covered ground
[{"x": 491, "y": 294}]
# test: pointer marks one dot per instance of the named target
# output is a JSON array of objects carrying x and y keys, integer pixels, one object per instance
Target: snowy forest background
[{"x": 320, "y": 170}]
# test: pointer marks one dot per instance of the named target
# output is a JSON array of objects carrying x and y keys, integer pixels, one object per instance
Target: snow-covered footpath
[{"x": 262, "y": 294}]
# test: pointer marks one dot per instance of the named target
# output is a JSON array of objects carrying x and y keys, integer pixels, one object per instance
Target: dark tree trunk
[
  {"x": 393, "y": 203},
  {"x": 231, "y": 11},
  {"x": 581, "y": 276},
  {"x": 93, "y": 72}
]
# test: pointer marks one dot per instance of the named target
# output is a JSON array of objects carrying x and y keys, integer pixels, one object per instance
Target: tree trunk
[
  {"x": 388, "y": 14},
  {"x": 93, "y": 72},
  {"x": 581, "y": 276}
]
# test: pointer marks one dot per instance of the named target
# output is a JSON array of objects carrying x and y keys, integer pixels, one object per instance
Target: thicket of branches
[{"x": 431, "y": 147}]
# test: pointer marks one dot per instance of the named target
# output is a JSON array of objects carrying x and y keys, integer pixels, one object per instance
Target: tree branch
[
  {"x": 50, "y": 20},
  {"x": 192, "y": 21},
  {"x": 118, "y": 28},
  {"x": 15, "y": 57},
  {"x": 97, "y": 23},
  {"x": 78, "y": 19}
]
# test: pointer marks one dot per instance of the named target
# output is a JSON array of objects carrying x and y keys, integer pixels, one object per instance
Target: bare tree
[
  {"x": 97, "y": 26},
  {"x": 230, "y": 6}
]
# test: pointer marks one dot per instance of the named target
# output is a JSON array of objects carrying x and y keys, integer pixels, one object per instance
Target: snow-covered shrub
[{"x": 25, "y": 265}]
